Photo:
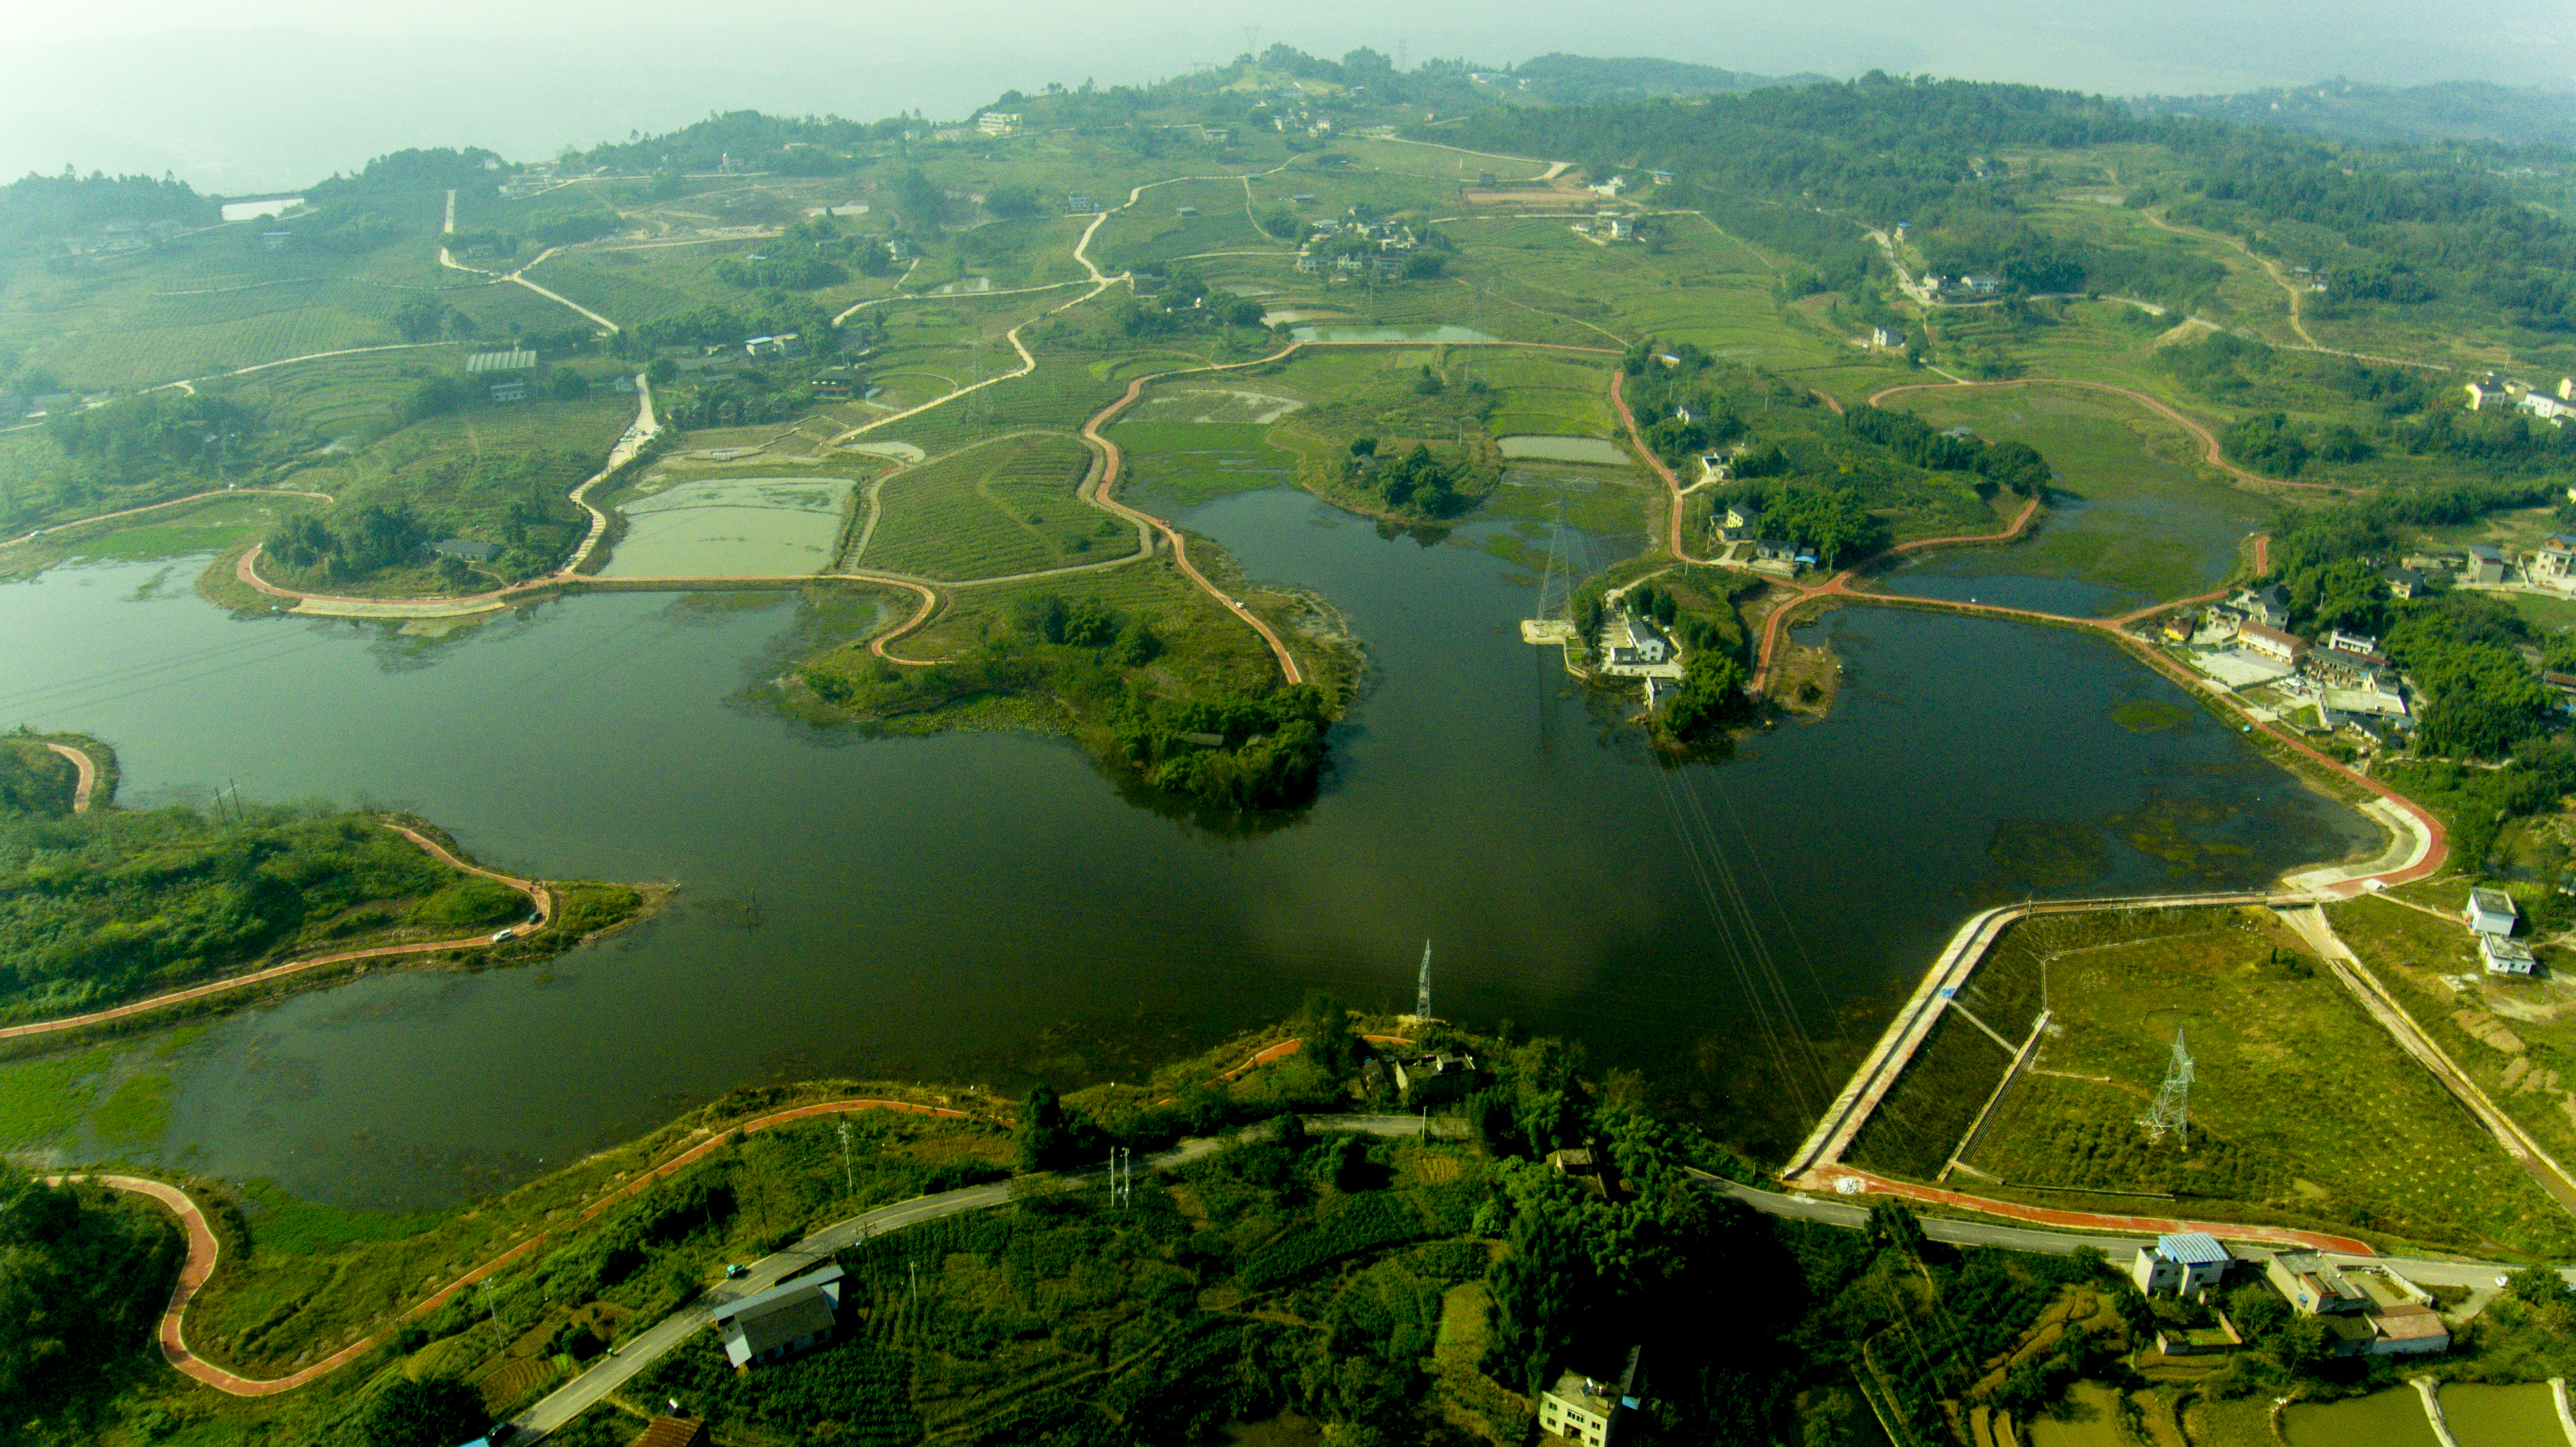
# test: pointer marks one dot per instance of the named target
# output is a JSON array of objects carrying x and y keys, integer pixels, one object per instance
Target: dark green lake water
[{"x": 857, "y": 906}]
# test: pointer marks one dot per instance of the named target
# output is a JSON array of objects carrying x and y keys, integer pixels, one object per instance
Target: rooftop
[
  {"x": 2192, "y": 1248},
  {"x": 2492, "y": 901}
]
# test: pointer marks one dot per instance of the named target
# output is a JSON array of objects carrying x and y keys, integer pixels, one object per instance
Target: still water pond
[
  {"x": 732, "y": 527},
  {"x": 860, "y": 907}
]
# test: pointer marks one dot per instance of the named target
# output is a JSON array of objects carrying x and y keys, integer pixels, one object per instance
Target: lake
[{"x": 878, "y": 907}]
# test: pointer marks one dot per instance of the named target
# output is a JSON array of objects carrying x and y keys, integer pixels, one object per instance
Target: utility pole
[{"x": 849, "y": 1182}]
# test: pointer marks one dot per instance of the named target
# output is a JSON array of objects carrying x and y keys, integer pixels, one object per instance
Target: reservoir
[{"x": 870, "y": 907}]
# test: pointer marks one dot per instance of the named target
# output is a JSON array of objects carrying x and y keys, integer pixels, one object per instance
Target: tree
[
  {"x": 420, "y": 319},
  {"x": 1043, "y": 1135},
  {"x": 1326, "y": 1025},
  {"x": 428, "y": 1412},
  {"x": 663, "y": 372}
]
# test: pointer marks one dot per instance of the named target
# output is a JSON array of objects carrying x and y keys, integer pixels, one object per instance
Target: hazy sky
[{"x": 248, "y": 95}]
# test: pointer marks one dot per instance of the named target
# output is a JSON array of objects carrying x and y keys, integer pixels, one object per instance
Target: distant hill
[
  {"x": 1575, "y": 80},
  {"x": 2460, "y": 110}
]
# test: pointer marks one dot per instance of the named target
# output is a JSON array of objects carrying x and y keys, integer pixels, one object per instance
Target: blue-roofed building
[{"x": 2185, "y": 1265}]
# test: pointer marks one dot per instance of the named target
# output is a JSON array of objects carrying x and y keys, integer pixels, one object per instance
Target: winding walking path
[
  {"x": 539, "y": 897},
  {"x": 88, "y": 772},
  {"x": 204, "y": 1249}
]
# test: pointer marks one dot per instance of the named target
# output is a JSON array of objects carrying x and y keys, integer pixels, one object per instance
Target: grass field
[
  {"x": 2129, "y": 514},
  {"x": 1190, "y": 462},
  {"x": 2304, "y": 1111},
  {"x": 1001, "y": 507}
]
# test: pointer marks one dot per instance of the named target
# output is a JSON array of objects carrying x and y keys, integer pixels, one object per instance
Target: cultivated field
[
  {"x": 1000, "y": 507},
  {"x": 2304, "y": 1112}
]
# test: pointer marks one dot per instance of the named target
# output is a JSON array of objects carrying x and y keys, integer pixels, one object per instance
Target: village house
[
  {"x": 997, "y": 123},
  {"x": 2505, "y": 956},
  {"x": 2316, "y": 1286},
  {"x": 2403, "y": 582},
  {"x": 2491, "y": 912},
  {"x": 768, "y": 1325},
  {"x": 2554, "y": 561},
  {"x": 1887, "y": 339},
  {"x": 2182, "y": 1265},
  {"x": 2489, "y": 395},
  {"x": 2288, "y": 648},
  {"x": 1742, "y": 521},
  {"x": 2545, "y": 407},
  {"x": 1582, "y": 1410},
  {"x": 2445, "y": 562},
  {"x": 1309, "y": 263},
  {"x": 1433, "y": 1079},
  {"x": 2485, "y": 564},
  {"x": 2268, "y": 605},
  {"x": 1636, "y": 641},
  {"x": 785, "y": 344}
]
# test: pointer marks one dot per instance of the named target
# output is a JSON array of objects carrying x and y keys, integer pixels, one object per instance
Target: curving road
[{"x": 539, "y": 897}]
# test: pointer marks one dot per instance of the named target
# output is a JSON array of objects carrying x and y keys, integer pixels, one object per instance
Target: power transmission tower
[
  {"x": 2171, "y": 1112},
  {"x": 849, "y": 1181},
  {"x": 1252, "y": 41},
  {"x": 1554, "y": 581},
  {"x": 1422, "y": 988}
]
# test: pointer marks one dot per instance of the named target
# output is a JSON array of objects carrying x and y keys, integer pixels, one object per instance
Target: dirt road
[{"x": 88, "y": 775}]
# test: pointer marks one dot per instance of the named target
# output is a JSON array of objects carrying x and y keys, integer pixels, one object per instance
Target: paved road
[
  {"x": 2422, "y": 1270},
  {"x": 657, "y": 1341}
]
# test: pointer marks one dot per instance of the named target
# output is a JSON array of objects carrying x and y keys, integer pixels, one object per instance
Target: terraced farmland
[{"x": 1001, "y": 507}]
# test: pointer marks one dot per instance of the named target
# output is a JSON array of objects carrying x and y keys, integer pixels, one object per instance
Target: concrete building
[
  {"x": 1635, "y": 640},
  {"x": 1580, "y": 1409},
  {"x": 2554, "y": 561},
  {"x": 2316, "y": 1286},
  {"x": 1742, "y": 522},
  {"x": 2184, "y": 1265},
  {"x": 514, "y": 389},
  {"x": 1430, "y": 1079},
  {"x": 998, "y": 123},
  {"x": 2272, "y": 642},
  {"x": 2485, "y": 565},
  {"x": 794, "y": 1317},
  {"x": 1887, "y": 339},
  {"x": 2403, "y": 582},
  {"x": 2268, "y": 605},
  {"x": 2491, "y": 912},
  {"x": 2545, "y": 407},
  {"x": 2488, "y": 396},
  {"x": 2505, "y": 955},
  {"x": 785, "y": 344}
]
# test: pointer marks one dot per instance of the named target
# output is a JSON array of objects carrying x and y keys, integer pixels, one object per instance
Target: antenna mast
[
  {"x": 1422, "y": 989},
  {"x": 2171, "y": 1112}
]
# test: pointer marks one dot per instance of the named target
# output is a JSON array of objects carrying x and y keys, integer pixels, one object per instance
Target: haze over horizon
[{"x": 145, "y": 86}]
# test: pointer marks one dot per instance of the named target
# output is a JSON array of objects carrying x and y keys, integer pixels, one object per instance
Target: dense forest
[{"x": 83, "y": 1273}]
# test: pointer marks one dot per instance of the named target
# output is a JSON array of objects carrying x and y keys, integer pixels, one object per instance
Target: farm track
[
  {"x": 173, "y": 502},
  {"x": 539, "y": 897}
]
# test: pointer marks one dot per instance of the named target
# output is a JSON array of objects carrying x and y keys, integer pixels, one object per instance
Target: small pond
[
  {"x": 1388, "y": 334},
  {"x": 722, "y": 527},
  {"x": 1564, "y": 449}
]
